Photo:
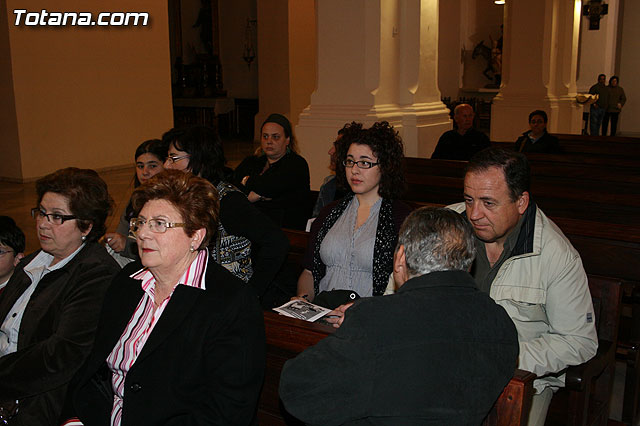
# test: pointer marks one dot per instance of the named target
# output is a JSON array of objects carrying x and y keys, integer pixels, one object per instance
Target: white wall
[
  {"x": 629, "y": 67},
  {"x": 597, "y": 48}
]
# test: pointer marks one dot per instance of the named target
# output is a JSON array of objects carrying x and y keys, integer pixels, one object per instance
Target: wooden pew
[
  {"x": 585, "y": 398},
  {"x": 287, "y": 337},
  {"x": 608, "y": 146},
  {"x": 600, "y": 218}
]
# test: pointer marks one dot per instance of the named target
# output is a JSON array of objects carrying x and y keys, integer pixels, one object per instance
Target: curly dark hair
[
  {"x": 87, "y": 194},
  {"x": 386, "y": 145},
  {"x": 194, "y": 197}
]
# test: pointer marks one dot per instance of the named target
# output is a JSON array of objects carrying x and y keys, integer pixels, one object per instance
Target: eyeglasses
[
  {"x": 362, "y": 164},
  {"x": 55, "y": 218},
  {"x": 176, "y": 158},
  {"x": 3, "y": 252},
  {"x": 157, "y": 226}
]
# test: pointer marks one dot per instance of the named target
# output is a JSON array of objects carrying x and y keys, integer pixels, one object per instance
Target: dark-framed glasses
[
  {"x": 362, "y": 164},
  {"x": 157, "y": 226},
  {"x": 176, "y": 158},
  {"x": 55, "y": 218}
]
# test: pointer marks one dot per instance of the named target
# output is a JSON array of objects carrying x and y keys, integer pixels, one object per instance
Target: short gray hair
[{"x": 436, "y": 239}]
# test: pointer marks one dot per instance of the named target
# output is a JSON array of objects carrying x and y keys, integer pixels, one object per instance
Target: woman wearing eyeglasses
[
  {"x": 353, "y": 240},
  {"x": 49, "y": 309},
  {"x": 248, "y": 244},
  {"x": 180, "y": 339}
]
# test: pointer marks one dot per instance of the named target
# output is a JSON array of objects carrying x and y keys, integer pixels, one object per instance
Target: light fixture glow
[{"x": 499, "y": 1}]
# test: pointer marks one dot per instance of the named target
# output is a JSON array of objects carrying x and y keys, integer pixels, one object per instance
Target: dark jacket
[
  {"x": 438, "y": 352},
  {"x": 202, "y": 364},
  {"x": 269, "y": 245},
  {"x": 56, "y": 332},
  {"x": 454, "y": 146},
  {"x": 547, "y": 143},
  {"x": 285, "y": 182}
]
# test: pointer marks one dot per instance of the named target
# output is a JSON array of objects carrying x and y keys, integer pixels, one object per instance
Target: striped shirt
[{"x": 141, "y": 325}]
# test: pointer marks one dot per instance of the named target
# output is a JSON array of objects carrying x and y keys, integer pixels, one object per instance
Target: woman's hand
[
  {"x": 116, "y": 241},
  {"x": 253, "y": 197},
  {"x": 244, "y": 180}
]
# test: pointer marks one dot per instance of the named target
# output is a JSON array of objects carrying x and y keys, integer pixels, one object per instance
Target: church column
[
  {"x": 377, "y": 60},
  {"x": 539, "y": 68}
]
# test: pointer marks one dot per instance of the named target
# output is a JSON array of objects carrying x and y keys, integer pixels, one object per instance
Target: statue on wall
[{"x": 493, "y": 56}]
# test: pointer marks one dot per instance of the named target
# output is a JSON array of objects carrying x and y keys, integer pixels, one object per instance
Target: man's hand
[{"x": 336, "y": 317}]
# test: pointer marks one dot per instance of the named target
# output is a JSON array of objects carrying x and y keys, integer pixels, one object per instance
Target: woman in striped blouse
[{"x": 180, "y": 339}]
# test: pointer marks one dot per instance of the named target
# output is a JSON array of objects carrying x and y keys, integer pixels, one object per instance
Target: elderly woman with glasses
[
  {"x": 180, "y": 339},
  {"x": 49, "y": 309},
  {"x": 353, "y": 239}
]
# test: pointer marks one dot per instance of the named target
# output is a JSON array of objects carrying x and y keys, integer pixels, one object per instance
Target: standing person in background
[
  {"x": 615, "y": 101},
  {"x": 12, "y": 244},
  {"x": 598, "y": 108},
  {"x": 149, "y": 156},
  {"x": 277, "y": 181}
]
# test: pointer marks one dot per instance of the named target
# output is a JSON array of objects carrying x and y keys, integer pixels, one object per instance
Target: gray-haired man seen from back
[{"x": 439, "y": 351}]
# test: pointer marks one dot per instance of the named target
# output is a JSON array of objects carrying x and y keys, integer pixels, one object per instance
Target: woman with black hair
[
  {"x": 276, "y": 179},
  {"x": 353, "y": 239},
  {"x": 150, "y": 156},
  {"x": 248, "y": 244}
]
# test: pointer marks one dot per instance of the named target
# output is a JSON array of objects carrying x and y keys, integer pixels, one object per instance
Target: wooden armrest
[{"x": 578, "y": 376}]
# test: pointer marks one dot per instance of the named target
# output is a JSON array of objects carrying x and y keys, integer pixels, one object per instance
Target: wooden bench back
[
  {"x": 606, "y": 294},
  {"x": 287, "y": 337}
]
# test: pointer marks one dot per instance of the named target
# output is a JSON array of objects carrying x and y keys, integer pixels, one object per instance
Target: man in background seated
[
  {"x": 437, "y": 352},
  {"x": 528, "y": 267},
  {"x": 464, "y": 141},
  {"x": 536, "y": 139},
  {"x": 12, "y": 244}
]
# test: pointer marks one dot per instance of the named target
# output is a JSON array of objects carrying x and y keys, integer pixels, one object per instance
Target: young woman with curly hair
[{"x": 353, "y": 239}]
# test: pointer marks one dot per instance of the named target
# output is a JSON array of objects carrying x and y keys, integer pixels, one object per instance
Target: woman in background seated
[
  {"x": 49, "y": 309},
  {"x": 180, "y": 340},
  {"x": 537, "y": 139},
  {"x": 150, "y": 156},
  {"x": 353, "y": 239},
  {"x": 248, "y": 244},
  {"x": 277, "y": 181}
]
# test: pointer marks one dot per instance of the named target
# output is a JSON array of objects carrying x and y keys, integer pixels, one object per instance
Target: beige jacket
[{"x": 544, "y": 290}]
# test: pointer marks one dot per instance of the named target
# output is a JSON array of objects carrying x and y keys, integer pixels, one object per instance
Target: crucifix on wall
[{"x": 595, "y": 10}]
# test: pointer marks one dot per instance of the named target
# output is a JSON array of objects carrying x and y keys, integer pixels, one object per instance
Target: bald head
[{"x": 463, "y": 116}]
